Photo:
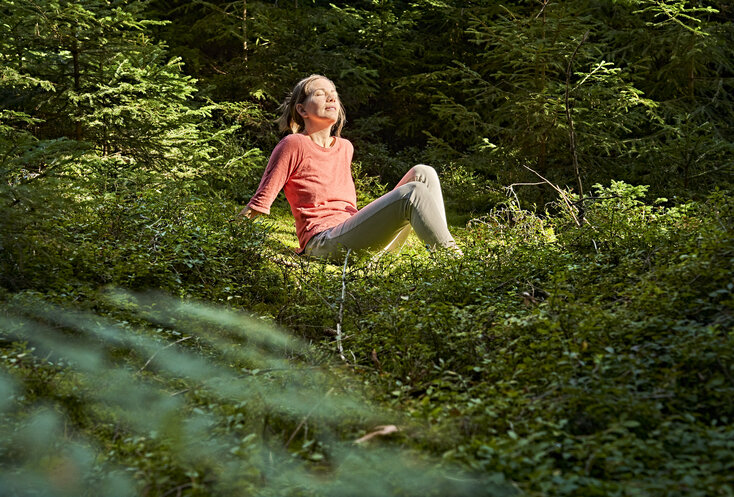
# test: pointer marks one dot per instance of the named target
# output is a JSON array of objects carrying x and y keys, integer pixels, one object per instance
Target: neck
[{"x": 321, "y": 136}]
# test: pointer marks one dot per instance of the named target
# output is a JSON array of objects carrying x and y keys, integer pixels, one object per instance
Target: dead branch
[
  {"x": 341, "y": 308},
  {"x": 511, "y": 190},
  {"x": 560, "y": 192},
  {"x": 542, "y": 9}
]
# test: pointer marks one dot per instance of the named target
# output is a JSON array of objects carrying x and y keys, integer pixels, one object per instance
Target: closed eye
[{"x": 322, "y": 93}]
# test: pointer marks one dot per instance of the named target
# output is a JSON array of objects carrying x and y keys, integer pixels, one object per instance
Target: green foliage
[
  {"x": 102, "y": 143},
  {"x": 685, "y": 67},
  {"x": 569, "y": 368},
  {"x": 206, "y": 418},
  {"x": 485, "y": 85},
  {"x": 504, "y": 103},
  {"x": 584, "y": 354}
]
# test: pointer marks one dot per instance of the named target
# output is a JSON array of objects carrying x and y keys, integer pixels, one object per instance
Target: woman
[{"x": 313, "y": 164}]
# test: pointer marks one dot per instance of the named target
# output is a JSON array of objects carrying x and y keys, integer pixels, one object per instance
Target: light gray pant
[{"x": 384, "y": 224}]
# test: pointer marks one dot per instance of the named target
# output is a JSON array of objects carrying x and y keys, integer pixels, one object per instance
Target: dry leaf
[
  {"x": 375, "y": 360},
  {"x": 379, "y": 431}
]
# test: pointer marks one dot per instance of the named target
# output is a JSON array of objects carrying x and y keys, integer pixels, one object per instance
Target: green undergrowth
[
  {"x": 550, "y": 359},
  {"x": 576, "y": 361}
]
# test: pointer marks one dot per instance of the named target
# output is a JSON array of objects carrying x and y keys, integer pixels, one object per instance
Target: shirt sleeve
[{"x": 282, "y": 163}]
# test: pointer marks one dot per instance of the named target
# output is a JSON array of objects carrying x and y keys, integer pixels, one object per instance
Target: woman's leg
[
  {"x": 385, "y": 223},
  {"x": 428, "y": 176}
]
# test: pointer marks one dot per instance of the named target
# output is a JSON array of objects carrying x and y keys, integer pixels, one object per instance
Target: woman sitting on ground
[{"x": 313, "y": 166}]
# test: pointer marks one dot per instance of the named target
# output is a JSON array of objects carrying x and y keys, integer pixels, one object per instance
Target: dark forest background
[{"x": 582, "y": 346}]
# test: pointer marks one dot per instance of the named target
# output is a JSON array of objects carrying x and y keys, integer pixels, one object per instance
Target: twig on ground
[
  {"x": 511, "y": 190},
  {"x": 158, "y": 351},
  {"x": 303, "y": 421},
  {"x": 378, "y": 432},
  {"x": 178, "y": 489}
]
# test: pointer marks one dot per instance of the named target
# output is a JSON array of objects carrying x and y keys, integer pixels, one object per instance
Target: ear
[{"x": 301, "y": 110}]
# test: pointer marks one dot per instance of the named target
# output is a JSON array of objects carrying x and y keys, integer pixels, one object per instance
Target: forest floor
[{"x": 549, "y": 360}]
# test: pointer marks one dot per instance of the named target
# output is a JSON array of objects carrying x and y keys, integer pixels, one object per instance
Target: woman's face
[{"x": 321, "y": 104}]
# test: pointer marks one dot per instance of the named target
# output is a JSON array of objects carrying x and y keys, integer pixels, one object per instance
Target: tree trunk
[
  {"x": 244, "y": 30},
  {"x": 77, "y": 78}
]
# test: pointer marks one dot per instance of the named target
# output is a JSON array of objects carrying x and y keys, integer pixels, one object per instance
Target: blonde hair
[{"x": 291, "y": 120}]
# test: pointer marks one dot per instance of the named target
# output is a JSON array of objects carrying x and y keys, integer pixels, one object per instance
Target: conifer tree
[
  {"x": 111, "y": 85},
  {"x": 641, "y": 88},
  {"x": 90, "y": 105},
  {"x": 680, "y": 55}
]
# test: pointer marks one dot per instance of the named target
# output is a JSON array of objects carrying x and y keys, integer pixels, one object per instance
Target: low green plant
[
  {"x": 550, "y": 359},
  {"x": 94, "y": 405},
  {"x": 575, "y": 361}
]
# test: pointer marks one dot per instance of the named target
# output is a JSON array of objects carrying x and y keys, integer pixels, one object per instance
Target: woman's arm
[{"x": 284, "y": 159}]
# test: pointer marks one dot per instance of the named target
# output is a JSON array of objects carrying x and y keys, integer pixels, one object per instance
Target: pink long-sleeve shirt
[{"x": 317, "y": 182}]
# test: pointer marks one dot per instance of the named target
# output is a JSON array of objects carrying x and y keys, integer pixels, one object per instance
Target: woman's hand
[{"x": 249, "y": 213}]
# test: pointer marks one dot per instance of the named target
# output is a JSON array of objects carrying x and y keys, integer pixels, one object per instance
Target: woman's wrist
[{"x": 249, "y": 213}]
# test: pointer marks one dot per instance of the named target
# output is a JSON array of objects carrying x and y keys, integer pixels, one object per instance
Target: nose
[{"x": 331, "y": 96}]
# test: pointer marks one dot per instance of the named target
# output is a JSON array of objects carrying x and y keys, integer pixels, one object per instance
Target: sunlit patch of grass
[{"x": 282, "y": 226}]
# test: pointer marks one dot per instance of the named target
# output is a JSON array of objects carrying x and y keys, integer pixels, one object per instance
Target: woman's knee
[
  {"x": 417, "y": 190},
  {"x": 425, "y": 170}
]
